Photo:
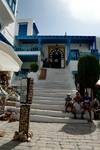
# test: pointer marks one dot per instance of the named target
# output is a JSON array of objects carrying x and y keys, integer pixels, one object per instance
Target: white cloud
[{"x": 83, "y": 10}]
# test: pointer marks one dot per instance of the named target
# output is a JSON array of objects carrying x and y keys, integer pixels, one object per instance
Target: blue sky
[{"x": 55, "y": 17}]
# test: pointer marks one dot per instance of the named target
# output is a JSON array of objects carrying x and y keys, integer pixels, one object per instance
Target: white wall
[
  {"x": 9, "y": 33},
  {"x": 6, "y": 14},
  {"x": 98, "y": 43},
  {"x": 9, "y": 29},
  {"x": 81, "y": 47},
  {"x": 29, "y": 28},
  {"x": 45, "y": 50},
  {"x": 73, "y": 65}
]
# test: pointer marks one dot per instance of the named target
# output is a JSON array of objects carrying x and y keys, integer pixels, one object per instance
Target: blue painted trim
[
  {"x": 95, "y": 43},
  {"x": 3, "y": 39},
  {"x": 95, "y": 53},
  {"x": 23, "y": 29},
  {"x": 35, "y": 28},
  {"x": 56, "y": 39},
  {"x": 12, "y": 5},
  {"x": 27, "y": 48},
  {"x": 74, "y": 54},
  {"x": 26, "y": 58},
  {"x": 68, "y": 50}
]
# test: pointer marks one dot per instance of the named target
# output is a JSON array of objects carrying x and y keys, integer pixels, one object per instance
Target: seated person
[
  {"x": 78, "y": 97},
  {"x": 77, "y": 108},
  {"x": 87, "y": 105},
  {"x": 95, "y": 104},
  {"x": 68, "y": 104},
  {"x": 96, "y": 109}
]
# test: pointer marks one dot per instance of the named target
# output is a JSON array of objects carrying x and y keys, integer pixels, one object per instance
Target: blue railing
[
  {"x": 26, "y": 48},
  {"x": 99, "y": 56},
  {"x": 94, "y": 53},
  {"x": 84, "y": 53},
  {"x": 74, "y": 55},
  {"x": 56, "y": 38}
]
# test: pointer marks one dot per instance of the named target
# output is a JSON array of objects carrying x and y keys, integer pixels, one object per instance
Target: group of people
[{"x": 80, "y": 105}]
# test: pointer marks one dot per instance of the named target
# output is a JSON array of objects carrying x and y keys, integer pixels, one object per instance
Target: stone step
[
  {"x": 45, "y": 106},
  {"x": 49, "y": 97},
  {"x": 41, "y": 112},
  {"x": 51, "y": 119},
  {"x": 52, "y": 113},
  {"x": 52, "y": 90},
  {"x": 58, "y": 87},
  {"x": 38, "y": 97},
  {"x": 48, "y": 107},
  {"x": 53, "y": 84},
  {"x": 40, "y": 118},
  {"x": 48, "y": 115},
  {"x": 49, "y": 102},
  {"x": 50, "y": 94}
]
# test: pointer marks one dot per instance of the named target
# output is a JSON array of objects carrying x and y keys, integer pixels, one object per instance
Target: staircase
[{"x": 49, "y": 97}]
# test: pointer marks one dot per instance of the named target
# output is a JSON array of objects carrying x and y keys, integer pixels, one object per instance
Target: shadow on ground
[
  {"x": 10, "y": 145},
  {"x": 78, "y": 128}
]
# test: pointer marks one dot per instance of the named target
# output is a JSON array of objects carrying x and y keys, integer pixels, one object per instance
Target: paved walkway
[{"x": 53, "y": 136}]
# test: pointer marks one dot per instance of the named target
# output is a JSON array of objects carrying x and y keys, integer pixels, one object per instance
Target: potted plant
[
  {"x": 34, "y": 71},
  {"x": 34, "y": 67}
]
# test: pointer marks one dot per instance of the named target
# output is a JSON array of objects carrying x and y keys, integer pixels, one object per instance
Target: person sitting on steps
[
  {"x": 68, "y": 104},
  {"x": 77, "y": 108},
  {"x": 87, "y": 105}
]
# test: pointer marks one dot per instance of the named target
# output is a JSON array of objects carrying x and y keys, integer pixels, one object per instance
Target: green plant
[
  {"x": 34, "y": 67},
  {"x": 88, "y": 71}
]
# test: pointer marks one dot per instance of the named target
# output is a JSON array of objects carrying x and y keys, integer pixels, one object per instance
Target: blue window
[
  {"x": 74, "y": 54},
  {"x": 12, "y": 4},
  {"x": 22, "y": 29},
  {"x": 9, "y": 2},
  {"x": 35, "y": 30}
]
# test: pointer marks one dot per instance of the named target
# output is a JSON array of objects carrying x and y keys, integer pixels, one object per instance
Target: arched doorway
[{"x": 56, "y": 58}]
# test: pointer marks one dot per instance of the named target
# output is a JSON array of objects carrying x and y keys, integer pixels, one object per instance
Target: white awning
[
  {"x": 28, "y": 53},
  {"x": 9, "y": 60}
]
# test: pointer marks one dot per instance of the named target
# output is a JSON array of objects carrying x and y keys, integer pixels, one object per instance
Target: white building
[
  {"x": 57, "y": 51},
  {"x": 9, "y": 61}
]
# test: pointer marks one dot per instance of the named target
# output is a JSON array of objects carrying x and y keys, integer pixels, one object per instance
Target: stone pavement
[{"x": 54, "y": 136}]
